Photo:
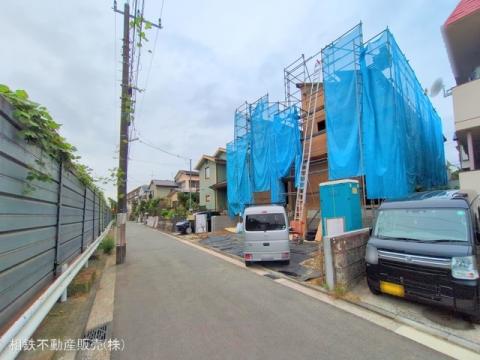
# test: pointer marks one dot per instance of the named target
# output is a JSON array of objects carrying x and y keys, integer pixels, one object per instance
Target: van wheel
[
  {"x": 248, "y": 263},
  {"x": 373, "y": 290},
  {"x": 188, "y": 230},
  {"x": 285, "y": 262}
]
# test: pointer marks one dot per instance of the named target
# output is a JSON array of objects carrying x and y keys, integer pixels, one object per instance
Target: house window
[
  {"x": 207, "y": 198},
  {"x": 207, "y": 172},
  {"x": 321, "y": 126}
]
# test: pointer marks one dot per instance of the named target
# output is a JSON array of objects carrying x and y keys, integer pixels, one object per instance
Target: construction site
[{"x": 353, "y": 110}]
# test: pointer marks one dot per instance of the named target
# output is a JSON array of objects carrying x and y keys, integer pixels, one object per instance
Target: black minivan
[{"x": 427, "y": 248}]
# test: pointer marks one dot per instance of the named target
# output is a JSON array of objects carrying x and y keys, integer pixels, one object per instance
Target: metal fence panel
[{"x": 42, "y": 224}]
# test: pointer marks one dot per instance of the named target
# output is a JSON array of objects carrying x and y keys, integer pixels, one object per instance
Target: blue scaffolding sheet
[
  {"x": 380, "y": 123},
  {"x": 262, "y": 154}
]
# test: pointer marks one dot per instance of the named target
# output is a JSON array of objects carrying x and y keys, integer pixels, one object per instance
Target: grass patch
[
  {"x": 107, "y": 245},
  {"x": 339, "y": 291}
]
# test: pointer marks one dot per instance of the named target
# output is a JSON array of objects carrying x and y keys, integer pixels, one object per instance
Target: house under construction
[{"x": 368, "y": 100}]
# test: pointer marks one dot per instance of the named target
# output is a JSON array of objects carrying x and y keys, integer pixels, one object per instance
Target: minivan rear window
[{"x": 265, "y": 222}]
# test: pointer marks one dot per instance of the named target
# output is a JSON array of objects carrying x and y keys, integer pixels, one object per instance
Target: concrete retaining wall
[
  {"x": 345, "y": 258},
  {"x": 166, "y": 225},
  {"x": 157, "y": 222}
]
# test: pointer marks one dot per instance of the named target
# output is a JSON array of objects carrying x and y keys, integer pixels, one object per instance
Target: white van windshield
[
  {"x": 265, "y": 222},
  {"x": 422, "y": 224}
]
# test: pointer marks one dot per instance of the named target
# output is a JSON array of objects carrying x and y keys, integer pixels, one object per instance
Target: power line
[
  {"x": 147, "y": 78},
  {"x": 163, "y": 150}
]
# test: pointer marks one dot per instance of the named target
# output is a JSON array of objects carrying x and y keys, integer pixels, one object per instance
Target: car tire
[
  {"x": 373, "y": 290},
  {"x": 188, "y": 230},
  {"x": 248, "y": 263}
]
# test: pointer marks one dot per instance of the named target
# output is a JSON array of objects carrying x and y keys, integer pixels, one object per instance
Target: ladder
[{"x": 307, "y": 143}]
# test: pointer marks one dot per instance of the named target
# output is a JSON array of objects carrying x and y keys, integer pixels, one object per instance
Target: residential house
[
  {"x": 461, "y": 33},
  {"x": 188, "y": 181},
  {"x": 144, "y": 192},
  {"x": 135, "y": 196},
  {"x": 132, "y": 199},
  {"x": 160, "y": 189},
  {"x": 213, "y": 180}
]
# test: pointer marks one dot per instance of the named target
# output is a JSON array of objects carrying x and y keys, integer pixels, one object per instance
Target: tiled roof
[{"x": 464, "y": 8}]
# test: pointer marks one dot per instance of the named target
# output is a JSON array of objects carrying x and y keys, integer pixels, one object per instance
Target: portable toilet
[{"x": 340, "y": 206}]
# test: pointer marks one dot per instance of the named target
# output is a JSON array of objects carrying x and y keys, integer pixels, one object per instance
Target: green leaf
[
  {"x": 4, "y": 89},
  {"x": 22, "y": 94}
]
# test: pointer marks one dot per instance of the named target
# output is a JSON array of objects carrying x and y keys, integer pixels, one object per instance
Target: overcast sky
[{"x": 210, "y": 57}]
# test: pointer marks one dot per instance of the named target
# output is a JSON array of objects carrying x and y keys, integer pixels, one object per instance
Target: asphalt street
[{"x": 173, "y": 301}]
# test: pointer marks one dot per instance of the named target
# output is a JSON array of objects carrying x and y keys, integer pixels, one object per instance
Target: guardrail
[{"x": 23, "y": 328}]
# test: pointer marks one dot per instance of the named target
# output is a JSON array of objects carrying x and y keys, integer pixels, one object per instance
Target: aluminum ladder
[{"x": 307, "y": 145}]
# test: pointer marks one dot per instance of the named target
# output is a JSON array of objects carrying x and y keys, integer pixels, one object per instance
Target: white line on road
[{"x": 433, "y": 342}]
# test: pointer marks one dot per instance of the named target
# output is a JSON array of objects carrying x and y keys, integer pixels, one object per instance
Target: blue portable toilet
[{"x": 340, "y": 206}]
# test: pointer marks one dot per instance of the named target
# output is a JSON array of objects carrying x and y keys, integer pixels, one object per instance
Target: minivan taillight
[
  {"x": 285, "y": 255},
  {"x": 247, "y": 256}
]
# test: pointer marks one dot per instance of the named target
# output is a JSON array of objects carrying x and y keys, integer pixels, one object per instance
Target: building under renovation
[{"x": 353, "y": 110}]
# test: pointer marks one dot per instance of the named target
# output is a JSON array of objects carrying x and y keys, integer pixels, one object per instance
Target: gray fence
[{"x": 42, "y": 227}]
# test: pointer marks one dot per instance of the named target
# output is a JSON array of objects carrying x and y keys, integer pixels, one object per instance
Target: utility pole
[
  {"x": 190, "y": 187},
  {"x": 123, "y": 156},
  {"x": 126, "y": 109}
]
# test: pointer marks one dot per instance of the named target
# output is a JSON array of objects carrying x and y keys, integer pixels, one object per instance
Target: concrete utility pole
[
  {"x": 126, "y": 104},
  {"x": 126, "y": 110},
  {"x": 190, "y": 208}
]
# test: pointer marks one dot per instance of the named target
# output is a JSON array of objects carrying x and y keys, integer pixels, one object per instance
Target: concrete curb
[
  {"x": 379, "y": 311},
  {"x": 101, "y": 312}
]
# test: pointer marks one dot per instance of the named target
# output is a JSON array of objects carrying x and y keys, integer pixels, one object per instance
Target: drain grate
[
  {"x": 96, "y": 334},
  {"x": 272, "y": 276}
]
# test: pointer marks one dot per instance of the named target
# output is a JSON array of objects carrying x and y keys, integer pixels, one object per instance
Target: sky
[{"x": 209, "y": 58}]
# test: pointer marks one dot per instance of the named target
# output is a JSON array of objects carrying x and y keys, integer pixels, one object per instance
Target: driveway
[{"x": 173, "y": 301}]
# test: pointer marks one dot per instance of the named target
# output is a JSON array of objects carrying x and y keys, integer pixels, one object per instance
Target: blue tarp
[
  {"x": 341, "y": 82},
  {"x": 259, "y": 159},
  {"x": 379, "y": 121}
]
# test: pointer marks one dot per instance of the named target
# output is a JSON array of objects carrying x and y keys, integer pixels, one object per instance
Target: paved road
[{"x": 173, "y": 301}]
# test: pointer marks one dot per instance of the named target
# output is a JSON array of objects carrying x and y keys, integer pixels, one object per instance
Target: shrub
[{"x": 107, "y": 245}]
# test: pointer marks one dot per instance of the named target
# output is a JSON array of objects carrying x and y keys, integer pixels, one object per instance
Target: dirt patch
[
  {"x": 320, "y": 281},
  {"x": 220, "y": 233},
  {"x": 190, "y": 237},
  {"x": 316, "y": 262},
  {"x": 83, "y": 282}
]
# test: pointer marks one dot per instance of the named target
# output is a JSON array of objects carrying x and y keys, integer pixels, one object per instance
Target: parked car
[
  {"x": 183, "y": 227},
  {"x": 427, "y": 248},
  {"x": 266, "y": 234}
]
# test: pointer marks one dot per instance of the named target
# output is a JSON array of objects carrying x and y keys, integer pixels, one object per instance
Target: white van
[{"x": 266, "y": 234}]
